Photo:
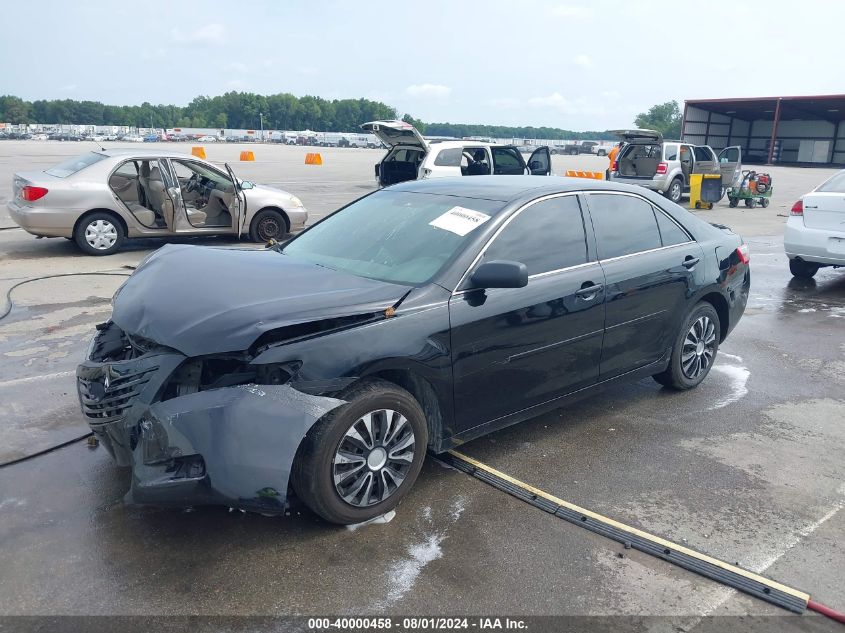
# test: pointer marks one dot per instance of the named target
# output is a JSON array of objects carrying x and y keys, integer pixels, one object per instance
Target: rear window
[
  {"x": 835, "y": 184},
  {"x": 75, "y": 164},
  {"x": 670, "y": 152}
]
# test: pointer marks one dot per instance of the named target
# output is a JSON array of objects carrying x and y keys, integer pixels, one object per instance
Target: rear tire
[
  {"x": 675, "y": 191},
  {"x": 750, "y": 203},
  {"x": 362, "y": 442},
  {"x": 268, "y": 224},
  {"x": 694, "y": 351},
  {"x": 803, "y": 270},
  {"x": 99, "y": 233},
  {"x": 733, "y": 202}
]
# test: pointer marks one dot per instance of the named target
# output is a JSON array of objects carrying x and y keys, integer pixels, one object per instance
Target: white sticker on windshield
[{"x": 459, "y": 220}]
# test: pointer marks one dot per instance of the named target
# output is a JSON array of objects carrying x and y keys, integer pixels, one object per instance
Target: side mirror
[
  {"x": 500, "y": 274},
  {"x": 534, "y": 165}
]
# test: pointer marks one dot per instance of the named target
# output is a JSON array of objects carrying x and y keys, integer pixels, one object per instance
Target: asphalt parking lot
[{"x": 747, "y": 468}]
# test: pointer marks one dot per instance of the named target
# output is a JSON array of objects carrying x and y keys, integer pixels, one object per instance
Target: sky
[{"x": 573, "y": 65}]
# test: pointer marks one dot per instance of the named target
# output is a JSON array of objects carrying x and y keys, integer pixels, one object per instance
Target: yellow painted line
[{"x": 632, "y": 530}]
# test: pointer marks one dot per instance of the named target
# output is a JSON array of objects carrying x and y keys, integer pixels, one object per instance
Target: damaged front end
[{"x": 196, "y": 431}]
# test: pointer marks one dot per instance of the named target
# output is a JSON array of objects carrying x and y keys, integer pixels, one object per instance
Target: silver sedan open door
[{"x": 238, "y": 206}]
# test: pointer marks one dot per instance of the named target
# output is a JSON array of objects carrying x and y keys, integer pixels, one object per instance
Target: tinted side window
[
  {"x": 449, "y": 157},
  {"x": 506, "y": 160},
  {"x": 546, "y": 236},
  {"x": 702, "y": 153},
  {"x": 623, "y": 224},
  {"x": 670, "y": 152},
  {"x": 670, "y": 233}
]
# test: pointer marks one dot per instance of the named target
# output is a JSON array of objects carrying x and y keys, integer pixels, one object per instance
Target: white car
[
  {"x": 815, "y": 229},
  {"x": 412, "y": 157},
  {"x": 39, "y": 137},
  {"x": 207, "y": 139}
]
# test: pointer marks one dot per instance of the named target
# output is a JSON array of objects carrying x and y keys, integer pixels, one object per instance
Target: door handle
[
  {"x": 690, "y": 262},
  {"x": 589, "y": 292}
]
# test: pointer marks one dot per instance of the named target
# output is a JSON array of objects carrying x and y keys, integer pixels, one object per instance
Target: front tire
[
  {"x": 675, "y": 191},
  {"x": 99, "y": 233},
  {"x": 268, "y": 224},
  {"x": 694, "y": 351},
  {"x": 803, "y": 270},
  {"x": 361, "y": 459}
]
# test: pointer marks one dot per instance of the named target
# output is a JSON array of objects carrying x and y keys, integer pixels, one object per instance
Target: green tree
[
  {"x": 419, "y": 125},
  {"x": 664, "y": 117}
]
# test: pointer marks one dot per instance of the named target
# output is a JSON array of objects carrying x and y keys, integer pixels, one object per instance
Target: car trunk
[
  {"x": 407, "y": 150},
  {"x": 825, "y": 210},
  {"x": 639, "y": 161},
  {"x": 641, "y": 155}
]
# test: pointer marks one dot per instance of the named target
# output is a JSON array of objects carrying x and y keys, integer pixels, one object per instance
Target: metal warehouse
[{"x": 796, "y": 130}]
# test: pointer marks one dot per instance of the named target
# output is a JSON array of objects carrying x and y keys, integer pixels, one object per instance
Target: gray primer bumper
[{"x": 247, "y": 437}]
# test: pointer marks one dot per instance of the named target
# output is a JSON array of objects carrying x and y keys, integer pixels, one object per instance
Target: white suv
[
  {"x": 815, "y": 229},
  {"x": 411, "y": 157}
]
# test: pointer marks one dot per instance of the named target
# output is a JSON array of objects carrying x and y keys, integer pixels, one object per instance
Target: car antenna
[{"x": 99, "y": 146}]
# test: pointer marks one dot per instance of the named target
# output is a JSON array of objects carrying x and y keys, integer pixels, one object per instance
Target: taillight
[
  {"x": 743, "y": 253},
  {"x": 614, "y": 166},
  {"x": 662, "y": 168},
  {"x": 31, "y": 194},
  {"x": 797, "y": 208}
]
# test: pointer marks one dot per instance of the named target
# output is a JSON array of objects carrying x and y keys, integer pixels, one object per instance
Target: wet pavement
[{"x": 747, "y": 468}]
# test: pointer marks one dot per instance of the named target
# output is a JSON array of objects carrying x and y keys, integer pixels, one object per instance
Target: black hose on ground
[
  {"x": 5, "y": 313},
  {"x": 9, "y": 303},
  {"x": 49, "y": 449}
]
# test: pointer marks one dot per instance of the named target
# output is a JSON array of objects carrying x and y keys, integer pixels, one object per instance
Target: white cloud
[
  {"x": 428, "y": 91},
  {"x": 583, "y": 61},
  {"x": 555, "y": 102},
  {"x": 236, "y": 67},
  {"x": 206, "y": 34},
  {"x": 570, "y": 11}
]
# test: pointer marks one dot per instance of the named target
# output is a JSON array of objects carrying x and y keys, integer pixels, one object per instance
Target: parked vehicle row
[{"x": 417, "y": 318}]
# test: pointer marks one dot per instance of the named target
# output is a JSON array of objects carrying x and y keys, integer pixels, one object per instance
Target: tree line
[{"x": 240, "y": 110}]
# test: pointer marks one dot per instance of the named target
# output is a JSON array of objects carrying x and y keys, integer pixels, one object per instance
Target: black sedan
[{"x": 416, "y": 318}]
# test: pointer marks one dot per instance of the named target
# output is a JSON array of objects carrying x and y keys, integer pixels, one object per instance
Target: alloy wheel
[
  {"x": 373, "y": 458},
  {"x": 101, "y": 234},
  {"x": 699, "y": 347}
]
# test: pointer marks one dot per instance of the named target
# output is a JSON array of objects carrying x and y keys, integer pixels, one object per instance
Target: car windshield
[
  {"x": 835, "y": 184},
  {"x": 395, "y": 236},
  {"x": 73, "y": 165}
]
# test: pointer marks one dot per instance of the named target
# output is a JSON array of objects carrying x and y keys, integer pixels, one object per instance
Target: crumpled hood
[{"x": 204, "y": 300}]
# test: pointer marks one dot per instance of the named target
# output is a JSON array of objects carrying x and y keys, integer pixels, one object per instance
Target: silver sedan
[{"x": 100, "y": 198}]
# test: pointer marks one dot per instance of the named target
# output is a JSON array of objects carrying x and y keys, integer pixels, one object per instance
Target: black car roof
[{"x": 508, "y": 188}]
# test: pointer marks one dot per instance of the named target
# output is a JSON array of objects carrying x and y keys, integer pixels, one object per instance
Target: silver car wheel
[
  {"x": 699, "y": 347},
  {"x": 101, "y": 234},
  {"x": 675, "y": 191},
  {"x": 373, "y": 458}
]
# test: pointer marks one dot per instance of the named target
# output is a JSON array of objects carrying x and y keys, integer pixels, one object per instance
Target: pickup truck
[{"x": 584, "y": 147}]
